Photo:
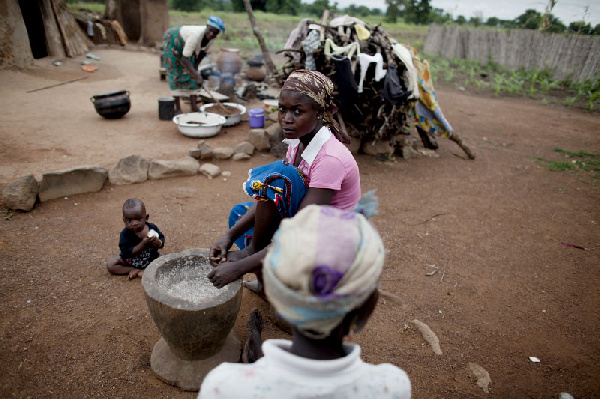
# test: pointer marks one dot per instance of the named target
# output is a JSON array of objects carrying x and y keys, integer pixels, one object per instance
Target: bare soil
[{"x": 505, "y": 287}]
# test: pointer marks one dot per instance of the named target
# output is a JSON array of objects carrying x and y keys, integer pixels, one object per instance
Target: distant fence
[{"x": 567, "y": 56}]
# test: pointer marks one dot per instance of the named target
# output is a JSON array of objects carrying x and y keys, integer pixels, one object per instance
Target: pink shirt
[{"x": 327, "y": 163}]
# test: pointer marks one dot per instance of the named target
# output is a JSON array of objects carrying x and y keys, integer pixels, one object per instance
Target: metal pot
[{"x": 112, "y": 105}]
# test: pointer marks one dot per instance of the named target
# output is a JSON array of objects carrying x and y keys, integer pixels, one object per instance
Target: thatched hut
[{"x": 38, "y": 29}]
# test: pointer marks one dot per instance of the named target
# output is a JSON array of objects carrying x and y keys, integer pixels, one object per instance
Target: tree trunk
[{"x": 261, "y": 41}]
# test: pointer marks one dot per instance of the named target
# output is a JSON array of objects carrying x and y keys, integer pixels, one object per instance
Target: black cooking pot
[{"x": 112, "y": 105}]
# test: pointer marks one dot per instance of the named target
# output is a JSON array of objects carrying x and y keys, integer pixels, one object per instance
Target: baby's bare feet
[{"x": 135, "y": 273}]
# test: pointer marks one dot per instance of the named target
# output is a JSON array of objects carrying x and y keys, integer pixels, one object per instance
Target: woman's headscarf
[
  {"x": 323, "y": 263},
  {"x": 216, "y": 22},
  {"x": 318, "y": 88}
]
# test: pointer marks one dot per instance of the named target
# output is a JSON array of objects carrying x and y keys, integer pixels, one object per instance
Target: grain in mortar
[{"x": 188, "y": 280}]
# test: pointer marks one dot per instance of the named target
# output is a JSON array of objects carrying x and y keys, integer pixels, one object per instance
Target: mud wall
[
  {"x": 16, "y": 50},
  {"x": 567, "y": 56}
]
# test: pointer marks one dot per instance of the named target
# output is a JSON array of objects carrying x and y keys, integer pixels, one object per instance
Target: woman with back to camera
[
  {"x": 184, "y": 48},
  {"x": 316, "y": 152},
  {"x": 321, "y": 275}
]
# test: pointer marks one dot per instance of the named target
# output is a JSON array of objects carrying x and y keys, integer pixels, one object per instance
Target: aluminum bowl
[
  {"x": 230, "y": 119},
  {"x": 211, "y": 124}
]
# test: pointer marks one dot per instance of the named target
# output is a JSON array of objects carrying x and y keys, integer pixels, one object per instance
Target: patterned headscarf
[
  {"x": 318, "y": 88},
  {"x": 323, "y": 263},
  {"x": 216, "y": 22}
]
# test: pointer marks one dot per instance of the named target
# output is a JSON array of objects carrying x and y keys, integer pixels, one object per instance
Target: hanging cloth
[
  {"x": 412, "y": 80},
  {"x": 365, "y": 60},
  {"x": 362, "y": 32},
  {"x": 310, "y": 45},
  {"x": 346, "y": 85},
  {"x": 392, "y": 88},
  {"x": 332, "y": 49}
]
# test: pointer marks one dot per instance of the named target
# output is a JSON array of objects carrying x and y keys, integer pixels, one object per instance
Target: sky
[{"x": 566, "y": 10}]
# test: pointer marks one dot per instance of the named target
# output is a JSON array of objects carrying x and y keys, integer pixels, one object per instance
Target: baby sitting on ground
[{"x": 139, "y": 242}]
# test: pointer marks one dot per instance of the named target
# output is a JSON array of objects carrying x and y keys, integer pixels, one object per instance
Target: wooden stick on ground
[
  {"x": 456, "y": 138},
  {"x": 57, "y": 84}
]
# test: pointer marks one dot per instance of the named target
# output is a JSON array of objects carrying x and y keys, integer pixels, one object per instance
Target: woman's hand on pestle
[
  {"x": 224, "y": 274},
  {"x": 218, "y": 252}
]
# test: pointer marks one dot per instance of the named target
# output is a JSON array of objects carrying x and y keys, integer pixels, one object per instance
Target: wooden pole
[
  {"x": 456, "y": 138},
  {"x": 261, "y": 41},
  {"x": 53, "y": 40},
  {"x": 75, "y": 41}
]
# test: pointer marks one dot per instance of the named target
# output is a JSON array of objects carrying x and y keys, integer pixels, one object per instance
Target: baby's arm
[
  {"x": 157, "y": 238},
  {"x": 142, "y": 244}
]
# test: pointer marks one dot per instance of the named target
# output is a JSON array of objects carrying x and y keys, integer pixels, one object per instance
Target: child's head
[
  {"x": 134, "y": 214},
  {"x": 323, "y": 266}
]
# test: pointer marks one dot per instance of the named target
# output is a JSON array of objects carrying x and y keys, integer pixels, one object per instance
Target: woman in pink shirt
[{"x": 316, "y": 152}]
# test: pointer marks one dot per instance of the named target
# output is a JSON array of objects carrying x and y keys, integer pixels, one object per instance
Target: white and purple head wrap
[{"x": 323, "y": 263}]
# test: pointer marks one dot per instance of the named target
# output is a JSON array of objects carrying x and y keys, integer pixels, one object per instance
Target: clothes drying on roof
[
  {"x": 364, "y": 61},
  {"x": 432, "y": 121},
  {"x": 411, "y": 78},
  {"x": 310, "y": 45}
]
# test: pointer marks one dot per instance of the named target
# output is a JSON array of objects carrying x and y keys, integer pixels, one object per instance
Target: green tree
[
  {"x": 417, "y": 11},
  {"x": 461, "y": 20},
  {"x": 257, "y": 5},
  {"x": 596, "y": 30},
  {"x": 580, "y": 28},
  {"x": 395, "y": 8},
  {"x": 186, "y": 5},
  {"x": 555, "y": 25},
  {"x": 439, "y": 16},
  {"x": 291, "y": 7},
  {"x": 475, "y": 21},
  {"x": 530, "y": 19},
  {"x": 492, "y": 21},
  {"x": 358, "y": 11},
  {"x": 318, "y": 7}
]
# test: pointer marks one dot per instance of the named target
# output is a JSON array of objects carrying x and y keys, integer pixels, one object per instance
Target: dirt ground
[{"x": 505, "y": 287}]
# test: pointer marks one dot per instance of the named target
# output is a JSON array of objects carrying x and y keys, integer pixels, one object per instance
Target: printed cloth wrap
[
  {"x": 323, "y": 263},
  {"x": 178, "y": 75},
  {"x": 280, "y": 182},
  {"x": 426, "y": 111},
  {"x": 318, "y": 88}
]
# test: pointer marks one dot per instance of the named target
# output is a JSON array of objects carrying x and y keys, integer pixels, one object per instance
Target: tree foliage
[
  {"x": 318, "y": 7},
  {"x": 417, "y": 11},
  {"x": 580, "y": 28},
  {"x": 291, "y": 7},
  {"x": 530, "y": 19},
  {"x": 394, "y": 9},
  {"x": 186, "y": 5},
  {"x": 493, "y": 21}
]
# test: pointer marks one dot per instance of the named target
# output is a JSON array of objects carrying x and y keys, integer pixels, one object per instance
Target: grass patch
[
  {"x": 500, "y": 81},
  {"x": 576, "y": 161}
]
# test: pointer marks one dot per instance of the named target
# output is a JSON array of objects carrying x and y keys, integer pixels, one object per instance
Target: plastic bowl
[
  {"x": 211, "y": 124},
  {"x": 230, "y": 120}
]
